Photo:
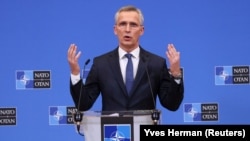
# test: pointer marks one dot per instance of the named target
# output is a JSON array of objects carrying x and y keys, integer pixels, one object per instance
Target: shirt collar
[{"x": 135, "y": 52}]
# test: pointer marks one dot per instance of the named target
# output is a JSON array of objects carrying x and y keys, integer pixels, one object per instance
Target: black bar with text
[{"x": 195, "y": 132}]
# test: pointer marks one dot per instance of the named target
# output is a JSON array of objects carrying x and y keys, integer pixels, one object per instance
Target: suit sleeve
[{"x": 170, "y": 94}]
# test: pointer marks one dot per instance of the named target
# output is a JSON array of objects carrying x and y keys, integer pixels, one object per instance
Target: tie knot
[{"x": 128, "y": 55}]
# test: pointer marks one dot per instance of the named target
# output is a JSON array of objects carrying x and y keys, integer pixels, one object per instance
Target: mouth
[{"x": 127, "y": 38}]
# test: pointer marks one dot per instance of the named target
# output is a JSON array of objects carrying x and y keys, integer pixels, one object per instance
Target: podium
[{"x": 122, "y": 125}]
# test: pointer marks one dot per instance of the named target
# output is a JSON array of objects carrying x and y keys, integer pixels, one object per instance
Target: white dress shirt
[{"x": 124, "y": 60}]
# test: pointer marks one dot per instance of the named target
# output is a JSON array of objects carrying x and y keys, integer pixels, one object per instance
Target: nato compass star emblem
[
  {"x": 192, "y": 112},
  {"x": 25, "y": 80},
  {"x": 117, "y": 136},
  {"x": 58, "y": 115},
  {"x": 224, "y": 75}
]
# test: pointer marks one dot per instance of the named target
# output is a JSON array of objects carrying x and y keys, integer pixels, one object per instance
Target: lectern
[{"x": 116, "y": 126}]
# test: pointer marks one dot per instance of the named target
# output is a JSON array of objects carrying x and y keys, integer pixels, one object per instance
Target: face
[{"x": 128, "y": 30}]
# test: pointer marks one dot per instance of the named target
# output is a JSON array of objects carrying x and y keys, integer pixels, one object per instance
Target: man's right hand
[{"x": 73, "y": 57}]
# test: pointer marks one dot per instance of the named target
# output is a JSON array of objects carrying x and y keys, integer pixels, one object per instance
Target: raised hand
[
  {"x": 73, "y": 56},
  {"x": 174, "y": 60}
]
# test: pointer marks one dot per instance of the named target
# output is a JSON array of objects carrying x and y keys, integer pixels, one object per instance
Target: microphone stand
[
  {"x": 79, "y": 115},
  {"x": 155, "y": 113}
]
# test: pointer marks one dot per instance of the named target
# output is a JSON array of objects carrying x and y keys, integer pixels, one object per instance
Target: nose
[{"x": 128, "y": 27}]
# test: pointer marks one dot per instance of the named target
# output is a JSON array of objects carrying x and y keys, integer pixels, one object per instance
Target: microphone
[
  {"x": 155, "y": 113},
  {"x": 78, "y": 115}
]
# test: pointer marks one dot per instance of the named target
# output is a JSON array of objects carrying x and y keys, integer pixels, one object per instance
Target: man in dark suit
[{"x": 107, "y": 76}]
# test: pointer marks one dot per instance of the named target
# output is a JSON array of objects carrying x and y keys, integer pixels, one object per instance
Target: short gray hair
[{"x": 127, "y": 9}]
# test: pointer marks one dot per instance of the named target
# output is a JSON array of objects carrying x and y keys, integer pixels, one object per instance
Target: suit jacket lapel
[
  {"x": 115, "y": 66},
  {"x": 141, "y": 69}
]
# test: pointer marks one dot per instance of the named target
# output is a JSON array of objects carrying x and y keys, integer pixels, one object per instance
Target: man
[{"x": 151, "y": 77}]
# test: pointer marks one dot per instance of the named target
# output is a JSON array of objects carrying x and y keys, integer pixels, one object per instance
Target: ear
[
  {"x": 142, "y": 30},
  {"x": 115, "y": 29}
]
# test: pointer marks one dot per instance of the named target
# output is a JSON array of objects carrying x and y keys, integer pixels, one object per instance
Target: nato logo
[
  {"x": 61, "y": 115},
  {"x": 117, "y": 132},
  {"x": 7, "y": 116},
  {"x": 29, "y": 79},
  {"x": 198, "y": 112},
  {"x": 230, "y": 75}
]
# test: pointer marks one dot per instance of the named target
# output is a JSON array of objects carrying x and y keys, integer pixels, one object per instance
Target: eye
[
  {"x": 134, "y": 25},
  {"x": 122, "y": 24}
]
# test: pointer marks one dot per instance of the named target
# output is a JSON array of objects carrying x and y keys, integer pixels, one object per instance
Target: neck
[{"x": 128, "y": 49}]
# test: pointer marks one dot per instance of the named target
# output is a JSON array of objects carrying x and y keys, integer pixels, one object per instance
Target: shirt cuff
[
  {"x": 75, "y": 78},
  {"x": 178, "y": 81}
]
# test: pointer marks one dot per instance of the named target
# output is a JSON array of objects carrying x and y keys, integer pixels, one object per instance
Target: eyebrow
[{"x": 124, "y": 22}]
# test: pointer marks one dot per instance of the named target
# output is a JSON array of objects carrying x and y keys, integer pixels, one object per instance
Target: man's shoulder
[
  {"x": 149, "y": 54},
  {"x": 111, "y": 53}
]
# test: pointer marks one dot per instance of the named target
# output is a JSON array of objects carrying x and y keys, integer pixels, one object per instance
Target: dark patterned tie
[{"x": 129, "y": 73}]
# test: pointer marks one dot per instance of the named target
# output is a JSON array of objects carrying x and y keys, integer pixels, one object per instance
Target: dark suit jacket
[{"x": 105, "y": 78}]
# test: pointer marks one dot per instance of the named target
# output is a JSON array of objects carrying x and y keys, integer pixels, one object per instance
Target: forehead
[{"x": 128, "y": 16}]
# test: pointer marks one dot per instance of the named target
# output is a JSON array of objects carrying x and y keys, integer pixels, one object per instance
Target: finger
[
  {"x": 168, "y": 54},
  {"x": 167, "y": 51},
  {"x": 71, "y": 51},
  {"x": 170, "y": 50},
  {"x": 71, "y": 47},
  {"x": 78, "y": 55},
  {"x": 173, "y": 47},
  {"x": 72, "y": 56}
]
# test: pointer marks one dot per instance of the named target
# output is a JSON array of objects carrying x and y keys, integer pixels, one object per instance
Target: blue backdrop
[{"x": 213, "y": 38}]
